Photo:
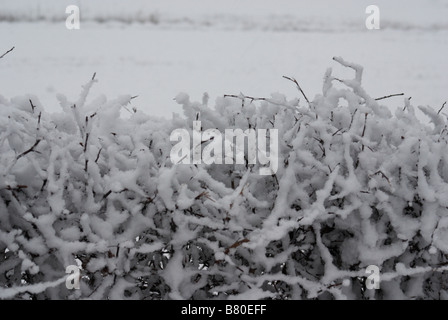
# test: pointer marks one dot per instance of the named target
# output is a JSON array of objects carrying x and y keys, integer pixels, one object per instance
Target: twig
[
  {"x": 94, "y": 75},
  {"x": 86, "y": 141},
  {"x": 339, "y": 80},
  {"x": 252, "y": 99},
  {"x": 364, "y": 130},
  {"x": 351, "y": 121},
  {"x": 7, "y": 52},
  {"x": 204, "y": 194},
  {"x": 407, "y": 103},
  {"x": 389, "y": 96},
  {"x": 362, "y": 135},
  {"x": 18, "y": 187},
  {"x": 98, "y": 155},
  {"x": 242, "y": 97},
  {"x": 383, "y": 175},
  {"x": 334, "y": 285},
  {"x": 38, "y": 121},
  {"x": 32, "y": 105},
  {"x": 107, "y": 194},
  {"x": 235, "y": 245},
  {"x": 443, "y": 105},
  {"x": 298, "y": 87},
  {"x": 29, "y": 150}
]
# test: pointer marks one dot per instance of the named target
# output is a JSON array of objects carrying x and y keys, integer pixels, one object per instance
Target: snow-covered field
[{"x": 156, "y": 49}]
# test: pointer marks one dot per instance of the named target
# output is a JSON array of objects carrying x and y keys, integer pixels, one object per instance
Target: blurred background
[{"x": 156, "y": 49}]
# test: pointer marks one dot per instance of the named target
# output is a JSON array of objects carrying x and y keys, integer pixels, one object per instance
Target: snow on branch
[{"x": 357, "y": 186}]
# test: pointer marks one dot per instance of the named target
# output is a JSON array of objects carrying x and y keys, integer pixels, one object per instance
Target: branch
[
  {"x": 362, "y": 136},
  {"x": 383, "y": 175},
  {"x": 29, "y": 150},
  {"x": 18, "y": 187},
  {"x": 351, "y": 121},
  {"x": 85, "y": 142},
  {"x": 389, "y": 96},
  {"x": 235, "y": 245},
  {"x": 98, "y": 155},
  {"x": 443, "y": 105},
  {"x": 7, "y": 52},
  {"x": 252, "y": 99},
  {"x": 32, "y": 105},
  {"x": 298, "y": 87},
  {"x": 242, "y": 97}
]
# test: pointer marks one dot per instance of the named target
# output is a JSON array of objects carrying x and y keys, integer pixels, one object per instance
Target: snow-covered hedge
[{"x": 356, "y": 186}]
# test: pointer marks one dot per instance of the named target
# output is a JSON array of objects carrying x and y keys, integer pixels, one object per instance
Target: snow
[
  {"x": 35, "y": 288},
  {"x": 199, "y": 47},
  {"x": 87, "y": 179}
]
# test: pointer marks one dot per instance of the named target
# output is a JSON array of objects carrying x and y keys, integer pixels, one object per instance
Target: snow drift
[{"x": 356, "y": 186}]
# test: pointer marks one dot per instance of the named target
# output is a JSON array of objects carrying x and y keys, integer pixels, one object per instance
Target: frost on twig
[{"x": 356, "y": 185}]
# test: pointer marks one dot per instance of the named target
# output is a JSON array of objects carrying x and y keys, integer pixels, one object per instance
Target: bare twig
[
  {"x": 383, "y": 175},
  {"x": 351, "y": 121},
  {"x": 107, "y": 194},
  {"x": 389, "y": 96},
  {"x": 298, "y": 87},
  {"x": 362, "y": 135},
  {"x": 339, "y": 80},
  {"x": 204, "y": 194},
  {"x": 32, "y": 105},
  {"x": 243, "y": 97},
  {"x": 364, "y": 129},
  {"x": 98, "y": 155},
  {"x": 443, "y": 105},
  {"x": 94, "y": 75},
  {"x": 86, "y": 141},
  {"x": 235, "y": 245},
  {"x": 38, "y": 121},
  {"x": 407, "y": 103},
  {"x": 18, "y": 187},
  {"x": 29, "y": 150},
  {"x": 7, "y": 52},
  {"x": 252, "y": 99},
  {"x": 336, "y": 132}
]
